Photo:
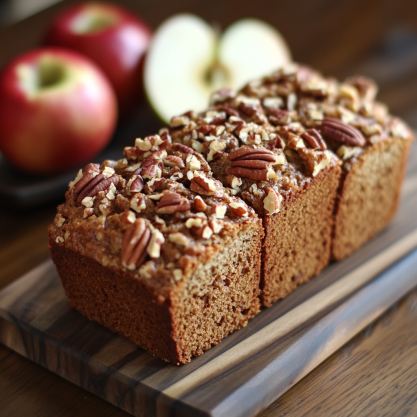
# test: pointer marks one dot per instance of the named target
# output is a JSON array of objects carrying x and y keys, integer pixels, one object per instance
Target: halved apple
[{"x": 188, "y": 60}]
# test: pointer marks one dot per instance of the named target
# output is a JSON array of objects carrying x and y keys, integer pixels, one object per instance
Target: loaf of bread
[
  {"x": 180, "y": 243},
  {"x": 154, "y": 248},
  {"x": 289, "y": 181},
  {"x": 372, "y": 145}
]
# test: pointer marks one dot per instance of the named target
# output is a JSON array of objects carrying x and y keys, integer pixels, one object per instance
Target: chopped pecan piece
[
  {"x": 340, "y": 132},
  {"x": 366, "y": 87},
  {"x": 184, "y": 148},
  {"x": 239, "y": 208},
  {"x": 138, "y": 203},
  {"x": 203, "y": 185},
  {"x": 172, "y": 203},
  {"x": 278, "y": 116},
  {"x": 272, "y": 201},
  {"x": 134, "y": 244},
  {"x": 229, "y": 111},
  {"x": 314, "y": 139},
  {"x": 134, "y": 185},
  {"x": 174, "y": 161},
  {"x": 179, "y": 239},
  {"x": 128, "y": 217},
  {"x": 154, "y": 247},
  {"x": 199, "y": 204},
  {"x": 218, "y": 211}
]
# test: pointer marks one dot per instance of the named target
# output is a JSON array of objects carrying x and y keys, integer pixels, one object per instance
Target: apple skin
[
  {"x": 118, "y": 48},
  {"x": 50, "y": 129}
]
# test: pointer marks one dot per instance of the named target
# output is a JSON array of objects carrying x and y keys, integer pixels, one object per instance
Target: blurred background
[{"x": 375, "y": 37}]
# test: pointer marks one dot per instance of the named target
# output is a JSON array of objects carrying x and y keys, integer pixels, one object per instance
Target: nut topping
[
  {"x": 138, "y": 203},
  {"x": 185, "y": 149},
  {"x": 179, "y": 239},
  {"x": 134, "y": 244},
  {"x": 218, "y": 211},
  {"x": 92, "y": 183},
  {"x": 251, "y": 163},
  {"x": 134, "y": 185},
  {"x": 239, "y": 208},
  {"x": 323, "y": 161},
  {"x": 202, "y": 185},
  {"x": 314, "y": 139},
  {"x": 174, "y": 161},
  {"x": 155, "y": 244},
  {"x": 340, "y": 132},
  {"x": 172, "y": 203},
  {"x": 199, "y": 204},
  {"x": 272, "y": 201}
]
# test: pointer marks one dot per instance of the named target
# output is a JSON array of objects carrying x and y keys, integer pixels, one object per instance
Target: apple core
[
  {"x": 93, "y": 21},
  {"x": 45, "y": 73}
]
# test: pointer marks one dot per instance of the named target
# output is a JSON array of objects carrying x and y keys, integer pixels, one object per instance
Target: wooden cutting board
[{"x": 249, "y": 369}]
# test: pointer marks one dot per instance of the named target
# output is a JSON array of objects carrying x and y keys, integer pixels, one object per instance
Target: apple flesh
[
  {"x": 57, "y": 110},
  {"x": 113, "y": 38},
  {"x": 187, "y": 61}
]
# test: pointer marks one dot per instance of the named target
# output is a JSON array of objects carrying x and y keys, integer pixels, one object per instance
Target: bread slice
[
  {"x": 369, "y": 195},
  {"x": 373, "y": 146},
  {"x": 166, "y": 258},
  {"x": 290, "y": 185}
]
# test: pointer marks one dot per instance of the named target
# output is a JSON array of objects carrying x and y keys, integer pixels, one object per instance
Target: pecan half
[
  {"x": 313, "y": 138},
  {"x": 172, "y": 203},
  {"x": 134, "y": 244},
  {"x": 340, "y": 132},
  {"x": 92, "y": 183},
  {"x": 251, "y": 163},
  {"x": 89, "y": 172}
]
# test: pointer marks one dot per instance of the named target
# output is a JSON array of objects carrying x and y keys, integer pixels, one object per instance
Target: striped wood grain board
[{"x": 250, "y": 368}]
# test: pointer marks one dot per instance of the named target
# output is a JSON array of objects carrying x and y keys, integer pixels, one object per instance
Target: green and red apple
[
  {"x": 115, "y": 39},
  {"x": 187, "y": 61},
  {"x": 57, "y": 110}
]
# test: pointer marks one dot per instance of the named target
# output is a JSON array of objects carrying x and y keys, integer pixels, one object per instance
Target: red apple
[
  {"x": 57, "y": 110},
  {"x": 113, "y": 38}
]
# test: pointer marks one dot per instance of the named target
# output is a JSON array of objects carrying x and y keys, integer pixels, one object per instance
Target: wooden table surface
[{"x": 375, "y": 373}]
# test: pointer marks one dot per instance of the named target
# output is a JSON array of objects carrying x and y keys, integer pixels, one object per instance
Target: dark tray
[{"x": 21, "y": 190}]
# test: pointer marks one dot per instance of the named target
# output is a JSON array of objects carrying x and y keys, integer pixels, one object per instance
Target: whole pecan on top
[
  {"x": 251, "y": 163},
  {"x": 314, "y": 140},
  {"x": 92, "y": 182},
  {"x": 172, "y": 203},
  {"x": 134, "y": 244},
  {"x": 340, "y": 132}
]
